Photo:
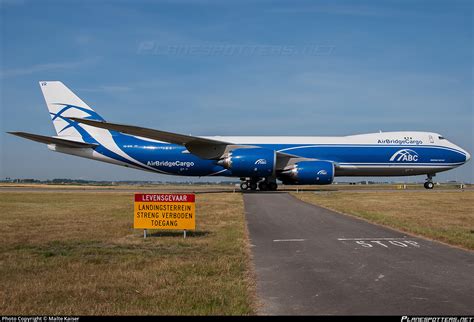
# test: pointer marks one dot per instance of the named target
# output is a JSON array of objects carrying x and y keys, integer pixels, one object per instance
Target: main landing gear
[
  {"x": 262, "y": 185},
  {"x": 429, "y": 182},
  {"x": 248, "y": 185}
]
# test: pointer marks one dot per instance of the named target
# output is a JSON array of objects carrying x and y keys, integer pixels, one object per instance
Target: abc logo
[{"x": 405, "y": 155}]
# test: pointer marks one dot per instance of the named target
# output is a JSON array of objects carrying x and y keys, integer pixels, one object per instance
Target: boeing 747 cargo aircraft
[{"x": 259, "y": 161}]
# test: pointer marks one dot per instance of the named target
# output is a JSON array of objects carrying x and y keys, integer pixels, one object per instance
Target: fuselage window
[{"x": 441, "y": 138}]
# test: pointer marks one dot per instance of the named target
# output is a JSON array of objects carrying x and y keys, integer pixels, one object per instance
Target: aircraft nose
[{"x": 468, "y": 156}]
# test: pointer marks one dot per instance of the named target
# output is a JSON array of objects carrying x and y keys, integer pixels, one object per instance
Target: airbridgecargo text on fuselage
[
  {"x": 170, "y": 164},
  {"x": 400, "y": 141}
]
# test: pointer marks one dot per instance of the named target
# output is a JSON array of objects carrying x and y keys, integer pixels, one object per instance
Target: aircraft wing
[
  {"x": 158, "y": 135},
  {"x": 202, "y": 147},
  {"x": 53, "y": 140}
]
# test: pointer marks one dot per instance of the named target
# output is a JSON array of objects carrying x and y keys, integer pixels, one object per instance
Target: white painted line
[
  {"x": 375, "y": 238},
  {"x": 288, "y": 240}
]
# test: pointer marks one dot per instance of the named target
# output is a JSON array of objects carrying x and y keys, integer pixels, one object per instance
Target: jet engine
[
  {"x": 309, "y": 172},
  {"x": 251, "y": 162}
]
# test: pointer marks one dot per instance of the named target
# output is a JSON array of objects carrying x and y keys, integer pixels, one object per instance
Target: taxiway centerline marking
[
  {"x": 375, "y": 238},
  {"x": 288, "y": 240}
]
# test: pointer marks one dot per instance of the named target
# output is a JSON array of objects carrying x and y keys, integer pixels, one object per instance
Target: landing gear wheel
[
  {"x": 272, "y": 186},
  {"x": 429, "y": 185},
  {"x": 253, "y": 186},
  {"x": 244, "y": 186},
  {"x": 263, "y": 186}
]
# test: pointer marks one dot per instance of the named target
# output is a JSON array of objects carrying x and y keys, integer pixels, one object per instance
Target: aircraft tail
[{"x": 63, "y": 103}]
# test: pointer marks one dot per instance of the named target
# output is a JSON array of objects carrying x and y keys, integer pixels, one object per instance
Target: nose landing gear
[
  {"x": 429, "y": 182},
  {"x": 429, "y": 185}
]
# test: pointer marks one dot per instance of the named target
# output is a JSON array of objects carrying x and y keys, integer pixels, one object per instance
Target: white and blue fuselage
[
  {"x": 263, "y": 160},
  {"x": 375, "y": 154}
]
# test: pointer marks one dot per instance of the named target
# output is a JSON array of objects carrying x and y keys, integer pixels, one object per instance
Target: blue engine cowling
[
  {"x": 310, "y": 172},
  {"x": 251, "y": 162}
]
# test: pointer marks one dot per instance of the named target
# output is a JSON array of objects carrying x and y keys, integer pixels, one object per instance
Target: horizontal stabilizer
[{"x": 53, "y": 140}]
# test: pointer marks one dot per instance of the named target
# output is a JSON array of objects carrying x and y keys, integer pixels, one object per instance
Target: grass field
[
  {"x": 447, "y": 216},
  {"x": 109, "y": 187},
  {"x": 77, "y": 254},
  {"x": 69, "y": 253}
]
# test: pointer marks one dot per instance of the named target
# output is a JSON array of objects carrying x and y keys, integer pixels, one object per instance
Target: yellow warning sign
[{"x": 165, "y": 211}]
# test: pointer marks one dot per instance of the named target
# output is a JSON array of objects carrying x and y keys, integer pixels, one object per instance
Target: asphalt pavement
[{"x": 309, "y": 260}]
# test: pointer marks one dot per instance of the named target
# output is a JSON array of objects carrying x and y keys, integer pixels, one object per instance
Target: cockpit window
[{"x": 441, "y": 138}]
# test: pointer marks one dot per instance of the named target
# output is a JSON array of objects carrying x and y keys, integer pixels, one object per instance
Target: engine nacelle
[
  {"x": 310, "y": 172},
  {"x": 251, "y": 162}
]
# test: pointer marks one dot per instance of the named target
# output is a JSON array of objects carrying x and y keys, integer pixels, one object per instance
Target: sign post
[{"x": 164, "y": 211}]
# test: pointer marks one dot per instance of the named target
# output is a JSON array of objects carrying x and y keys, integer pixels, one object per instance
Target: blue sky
[{"x": 236, "y": 68}]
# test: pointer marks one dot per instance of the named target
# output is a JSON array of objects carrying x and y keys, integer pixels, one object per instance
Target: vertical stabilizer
[{"x": 63, "y": 103}]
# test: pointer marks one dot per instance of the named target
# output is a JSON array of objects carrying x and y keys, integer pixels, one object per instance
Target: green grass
[{"x": 77, "y": 254}]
